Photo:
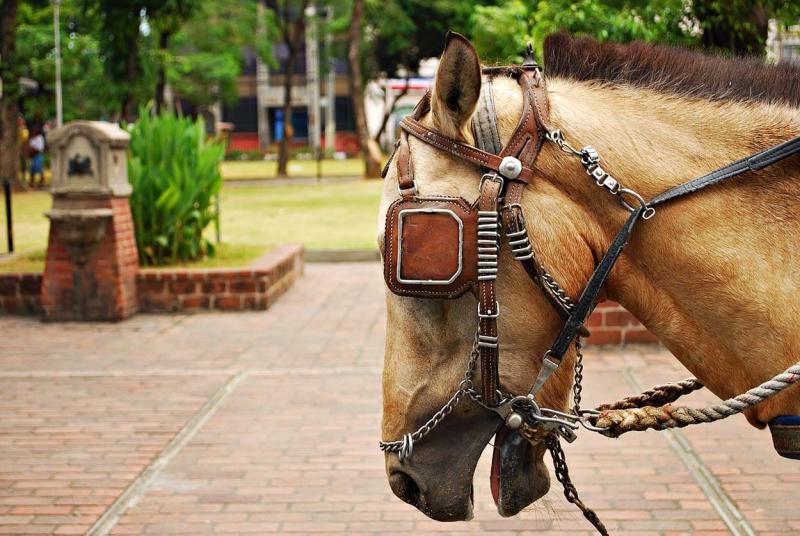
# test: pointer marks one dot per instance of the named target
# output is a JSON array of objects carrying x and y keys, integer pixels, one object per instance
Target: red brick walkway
[{"x": 268, "y": 422}]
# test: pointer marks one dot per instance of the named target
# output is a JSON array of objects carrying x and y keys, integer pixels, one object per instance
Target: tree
[
  {"x": 397, "y": 34},
  {"x": 205, "y": 56},
  {"x": 87, "y": 92},
  {"x": 372, "y": 165},
  {"x": 167, "y": 18},
  {"x": 500, "y": 32},
  {"x": 733, "y": 26},
  {"x": 120, "y": 32},
  {"x": 289, "y": 18},
  {"x": 9, "y": 110}
]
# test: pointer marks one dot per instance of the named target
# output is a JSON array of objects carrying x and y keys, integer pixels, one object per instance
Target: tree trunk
[
  {"x": 288, "y": 130},
  {"x": 372, "y": 165},
  {"x": 9, "y": 106},
  {"x": 130, "y": 78},
  {"x": 722, "y": 28},
  {"x": 161, "y": 85},
  {"x": 390, "y": 110}
]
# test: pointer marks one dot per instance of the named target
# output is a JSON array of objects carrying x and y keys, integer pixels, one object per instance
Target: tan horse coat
[{"x": 714, "y": 275}]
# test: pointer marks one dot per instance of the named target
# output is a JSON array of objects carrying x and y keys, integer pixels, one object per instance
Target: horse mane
[{"x": 673, "y": 70}]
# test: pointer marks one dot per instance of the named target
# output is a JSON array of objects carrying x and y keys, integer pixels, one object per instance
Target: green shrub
[{"x": 174, "y": 172}]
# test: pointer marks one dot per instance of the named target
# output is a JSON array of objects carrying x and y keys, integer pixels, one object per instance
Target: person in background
[
  {"x": 36, "y": 153},
  {"x": 23, "y": 135}
]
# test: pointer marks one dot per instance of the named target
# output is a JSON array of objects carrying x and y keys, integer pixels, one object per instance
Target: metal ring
[
  {"x": 639, "y": 199},
  {"x": 406, "y": 449},
  {"x": 410, "y": 191},
  {"x": 592, "y": 428}
]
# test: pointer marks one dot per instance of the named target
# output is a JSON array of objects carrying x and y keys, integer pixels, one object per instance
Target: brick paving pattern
[{"x": 292, "y": 449}]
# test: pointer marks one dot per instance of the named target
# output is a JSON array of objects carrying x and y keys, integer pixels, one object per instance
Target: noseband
[{"x": 443, "y": 247}]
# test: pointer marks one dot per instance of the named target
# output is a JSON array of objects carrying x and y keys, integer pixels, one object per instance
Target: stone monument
[{"x": 91, "y": 265}]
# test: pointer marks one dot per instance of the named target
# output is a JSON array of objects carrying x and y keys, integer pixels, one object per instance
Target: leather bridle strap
[
  {"x": 459, "y": 149},
  {"x": 754, "y": 162},
  {"x": 488, "y": 308},
  {"x": 525, "y": 144}
]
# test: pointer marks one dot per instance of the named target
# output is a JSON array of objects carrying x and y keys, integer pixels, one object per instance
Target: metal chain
[
  {"x": 590, "y": 160},
  {"x": 577, "y": 386},
  {"x": 570, "y": 492},
  {"x": 404, "y": 447},
  {"x": 559, "y": 293}
]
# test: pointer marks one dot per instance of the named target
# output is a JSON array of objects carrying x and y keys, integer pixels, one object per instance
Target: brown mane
[{"x": 672, "y": 70}]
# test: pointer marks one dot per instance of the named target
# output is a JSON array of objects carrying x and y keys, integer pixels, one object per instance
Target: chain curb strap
[
  {"x": 405, "y": 446},
  {"x": 590, "y": 160}
]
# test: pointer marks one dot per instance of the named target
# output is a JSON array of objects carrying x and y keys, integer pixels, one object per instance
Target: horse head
[{"x": 429, "y": 341}]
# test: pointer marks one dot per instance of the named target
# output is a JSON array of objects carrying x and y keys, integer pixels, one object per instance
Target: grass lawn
[
  {"x": 266, "y": 169},
  {"x": 253, "y": 220}
]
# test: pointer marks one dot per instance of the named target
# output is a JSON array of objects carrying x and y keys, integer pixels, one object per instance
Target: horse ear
[{"x": 457, "y": 86}]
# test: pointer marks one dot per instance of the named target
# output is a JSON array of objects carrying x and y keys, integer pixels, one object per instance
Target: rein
[{"x": 441, "y": 247}]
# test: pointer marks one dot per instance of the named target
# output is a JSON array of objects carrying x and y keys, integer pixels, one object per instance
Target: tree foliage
[
  {"x": 111, "y": 53},
  {"x": 733, "y": 26},
  {"x": 206, "y": 52},
  {"x": 86, "y": 91}
]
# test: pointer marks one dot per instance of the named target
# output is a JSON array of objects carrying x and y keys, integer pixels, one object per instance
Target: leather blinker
[{"x": 430, "y": 247}]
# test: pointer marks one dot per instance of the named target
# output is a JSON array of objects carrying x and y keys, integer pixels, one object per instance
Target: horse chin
[{"x": 519, "y": 476}]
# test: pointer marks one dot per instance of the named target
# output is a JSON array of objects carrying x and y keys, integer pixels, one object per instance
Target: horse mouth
[
  {"x": 438, "y": 478},
  {"x": 519, "y": 476}
]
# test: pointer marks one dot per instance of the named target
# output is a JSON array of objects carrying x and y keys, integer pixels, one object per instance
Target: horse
[{"x": 713, "y": 276}]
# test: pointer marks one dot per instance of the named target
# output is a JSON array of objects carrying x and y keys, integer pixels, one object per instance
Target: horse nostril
[{"x": 404, "y": 487}]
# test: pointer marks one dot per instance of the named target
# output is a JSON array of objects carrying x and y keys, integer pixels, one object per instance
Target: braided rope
[
  {"x": 656, "y": 396},
  {"x": 615, "y": 422}
]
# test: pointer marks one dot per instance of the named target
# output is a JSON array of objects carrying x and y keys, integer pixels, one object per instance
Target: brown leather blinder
[{"x": 430, "y": 247}]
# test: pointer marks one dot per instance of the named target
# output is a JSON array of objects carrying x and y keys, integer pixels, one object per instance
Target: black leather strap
[
  {"x": 751, "y": 163},
  {"x": 588, "y": 299}
]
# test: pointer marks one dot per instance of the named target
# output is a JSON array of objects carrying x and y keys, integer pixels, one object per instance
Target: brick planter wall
[
  {"x": 20, "y": 294},
  {"x": 228, "y": 289},
  {"x": 257, "y": 288}
]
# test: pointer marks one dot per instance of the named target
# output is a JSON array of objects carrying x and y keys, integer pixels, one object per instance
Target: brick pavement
[{"x": 291, "y": 446}]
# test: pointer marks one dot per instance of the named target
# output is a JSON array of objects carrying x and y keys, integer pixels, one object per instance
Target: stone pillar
[{"x": 91, "y": 265}]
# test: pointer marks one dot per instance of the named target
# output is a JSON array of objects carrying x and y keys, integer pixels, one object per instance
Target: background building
[
  {"x": 244, "y": 114},
  {"x": 784, "y": 44}
]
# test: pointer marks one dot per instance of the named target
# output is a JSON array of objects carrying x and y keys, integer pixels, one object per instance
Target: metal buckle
[
  {"x": 492, "y": 176},
  {"x": 489, "y": 315}
]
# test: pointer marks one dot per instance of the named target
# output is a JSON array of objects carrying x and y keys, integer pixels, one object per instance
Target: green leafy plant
[{"x": 174, "y": 171}]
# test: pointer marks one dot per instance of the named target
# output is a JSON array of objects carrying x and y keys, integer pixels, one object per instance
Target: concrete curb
[{"x": 342, "y": 255}]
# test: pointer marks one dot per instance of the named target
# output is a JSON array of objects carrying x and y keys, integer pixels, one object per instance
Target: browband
[{"x": 486, "y": 160}]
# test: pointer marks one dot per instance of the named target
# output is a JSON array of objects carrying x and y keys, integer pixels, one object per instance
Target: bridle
[{"x": 442, "y": 247}]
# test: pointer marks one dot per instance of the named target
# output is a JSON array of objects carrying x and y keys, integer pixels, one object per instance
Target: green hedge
[{"x": 174, "y": 171}]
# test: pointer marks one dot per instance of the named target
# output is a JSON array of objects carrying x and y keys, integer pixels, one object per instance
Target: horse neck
[{"x": 713, "y": 275}]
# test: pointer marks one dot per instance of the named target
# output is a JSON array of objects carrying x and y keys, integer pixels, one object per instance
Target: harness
[{"x": 443, "y": 247}]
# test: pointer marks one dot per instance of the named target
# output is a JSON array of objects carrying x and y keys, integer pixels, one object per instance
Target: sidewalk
[{"x": 268, "y": 423}]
